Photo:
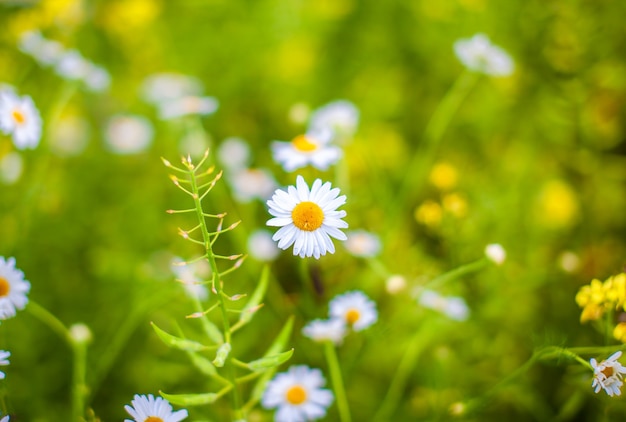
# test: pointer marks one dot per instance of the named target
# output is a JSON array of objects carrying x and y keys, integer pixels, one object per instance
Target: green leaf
[
  {"x": 177, "y": 342},
  {"x": 203, "y": 364},
  {"x": 269, "y": 362},
  {"x": 211, "y": 330},
  {"x": 280, "y": 342},
  {"x": 190, "y": 399},
  {"x": 254, "y": 303}
]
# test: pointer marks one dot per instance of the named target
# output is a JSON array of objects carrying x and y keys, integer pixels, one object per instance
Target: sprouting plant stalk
[
  {"x": 337, "y": 381},
  {"x": 216, "y": 282}
]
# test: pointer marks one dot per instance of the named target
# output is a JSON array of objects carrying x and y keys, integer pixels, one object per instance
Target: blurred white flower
[
  {"x": 127, "y": 134},
  {"x": 11, "y": 167},
  {"x": 312, "y": 148},
  {"x": 186, "y": 106},
  {"x": 355, "y": 309},
  {"x": 395, "y": 284},
  {"x": 480, "y": 55},
  {"x": 234, "y": 153},
  {"x": 148, "y": 408},
  {"x": 298, "y": 395},
  {"x": 299, "y": 113},
  {"x": 495, "y": 253},
  {"x": 261, "y": 246},
  {"x": 362, "y": 243},
  {"x": 249, "y": 184},
  {"x": 4, "y": 361},
  {"x": 20, "y": 118},
  {"x": 608, "y": 375},
  {"x": 165, "y": 87},
  {"x": 13, "y": 288},
  {"x": 44, "y": 51},
  {"x": 72, "y": 66},
  {"x": 80, "y": 333},
  {"x": 569, "y": 261},
  {"x": 341, "y": 117},
  {"x": 321, "y": 330},
  {"x": 453, "y": 307},
  {"x": 96, "y": 78},
  {"x": 192, "y": 276}
]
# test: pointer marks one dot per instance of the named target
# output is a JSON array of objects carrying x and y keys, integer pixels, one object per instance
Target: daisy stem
[
  {"x": 337, "y": 381},
  {"x": 79, "y": 386},
  {"x": 50, "y": 320}
]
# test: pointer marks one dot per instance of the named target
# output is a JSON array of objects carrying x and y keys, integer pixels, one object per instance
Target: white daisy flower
[
  {"x": 321, "y": 330},
  {"x": 307, "y": 219},
  {"x": 341, "y": 116},
  {"x": 608, "y": 375},
  {"x": 13, "y": 288},
  {"x": 234, "y": 153},
  {"x": 261, "y": 246},
  {"x": 127, "y": 134},
  {"x": 297, "y": 395},
  {"x": 478, "y": 54},
  {"x": 355, "y": 308},
  {"x": 311, "y": 148},
  {"x": 151, "y": 409},
  {"x": 4, "y": 361},
  {"x": 363, "y": 244},
  {"x": 189, "y": 105},
  {"x": 495, "y": 253},
  {"x": 20, "y": 118},
  {"x": 164, "y": 87}
]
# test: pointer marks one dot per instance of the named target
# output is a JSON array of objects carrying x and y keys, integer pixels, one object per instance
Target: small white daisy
[
  {"x": 355, "y": 308},
  {"x": 164, "y": 87},
  {"x": 495, "y": 253},
  {"x": 362, "y": 244},
  {"x": 20, "y": 118},
  {"x": 311, "y": 148},
  {"x": 127, "y": 134},
  {"x": 13, "y": 288},
  {"x": 307, "y": 219},
  {"x": 480, "y": 55},
  {"x": 186, "y": 106},
  {"x": 4, "y": 361},
  {"x": 321, "y": 330},
  {"x": 151, "y": 409},
  {"x": 341, "y": 116},
  {"x": 298, "y": 395},
  {"x": 608, "y": 375},
  {"x": 261, "y": 246},
  {"x": 252, "y": 183}
]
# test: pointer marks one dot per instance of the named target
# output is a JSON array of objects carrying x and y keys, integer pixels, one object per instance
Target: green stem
[
  {"x": 337, "y": 381},
  {"x": 79, "y": 386},
  {"x": 50, "y": 320},
  {"x": 456, "y": 273}
]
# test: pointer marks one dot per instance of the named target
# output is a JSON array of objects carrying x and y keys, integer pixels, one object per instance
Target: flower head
[
  {"x": 341, "y": 116},
  {"x": 480, "y": 55},
  {"x": 297, "y": 395},
  {"x": 362, "y": 244},
  {"x": 234, "y": 153},
  {"x": 608, "y": 375},
  {"x": 495, "y": 253},
  {"x": 250, "y": 183},
  {"x": 20, "y": 118},
  {"x": 454, "y": 307},
  {"x": 4, "y": 361},
  {"x": 307, "y": 218},
  {"x": 164, "y": 87},
  {"x": 186, "y": 106},
  {"x": 319, "y": 330},
  {"x": 311, "y": 148},
  {"x": 127, "y": 134},
  {"x": 151, "y": 409},
  {"x": 355, "y": 309},
  {"x": 13, "y": 288}
]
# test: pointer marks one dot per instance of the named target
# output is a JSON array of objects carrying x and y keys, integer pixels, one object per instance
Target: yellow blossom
[
  {"x": 429, "y": 213},
  {"x": 443, "y": 176},
  {"x": 619, "y": 332},
  {"x": 455, "y": 204}
]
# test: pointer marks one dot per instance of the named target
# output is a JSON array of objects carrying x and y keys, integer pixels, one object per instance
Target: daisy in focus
[
  {"x": 151, "y": 409},
  {"x": 355, "y": 309},
  {"x": 20, "y": 118},
  {"x": 319, "y": 330},
  {"x": 297, "y": 395},
  {"x": 307, "y": 218},
  {"x": 311, "y": 148},
  {"x": 480, "y": 55},
  {"x": 608, "y": 375},
  {"x": 4, "y": 361},
  {"x": 13, "y": 288}
]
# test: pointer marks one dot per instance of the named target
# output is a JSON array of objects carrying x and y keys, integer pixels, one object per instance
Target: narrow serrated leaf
[
  {"x": 190, "y": 399},
  {"x": 177, "y": 342},
  {"x": 252, "y": 306},
  {"x": 268, "y": 362}
]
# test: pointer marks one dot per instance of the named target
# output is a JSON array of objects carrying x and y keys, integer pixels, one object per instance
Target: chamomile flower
[
  {"x": 151, "y": 409},
  {"x": 311, "y": 148},
  {"x": 480, "y": 55},
  {"x": 20, "y": 118},
  {"x": 608, "y": 375},
  {"x": 4, "y": 361},
  {"x": 307, "y": 218},
  {"x": 297, "y": 395},
  {"x": 355, "y": 309},
  {"x": 363, "y": 244},
  {"x": 13, "y": 288},
  {"x": 341, "y": 116},
  {"x": 321, "y": 330}
]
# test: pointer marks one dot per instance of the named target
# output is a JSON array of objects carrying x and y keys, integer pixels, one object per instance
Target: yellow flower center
[
  {"x": 608, "y": 371},
  {"x": 18, "y": 116},
  {"x": 307, "y": 216},
  {"x": 302, "y": 143},
  {"x": 153, "y": 419},
  {"x": 352, "y": 316},
  {"x": 5, "y": 287},
  {"x": 296, "y": 395}
]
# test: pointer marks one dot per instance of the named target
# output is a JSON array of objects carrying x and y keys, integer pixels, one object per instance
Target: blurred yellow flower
[
  {"x": 124, "y": 17},
  {"x": 455, "y": 204},
  {"x": 443, "y": 176},
  {"x": 597, "y": 297},
  {"x": 67, "y": 14},
  {"x": 557, "y": 205},
  {"x": 429, "y": 213},
  {"x": 619, "y": 332}
]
